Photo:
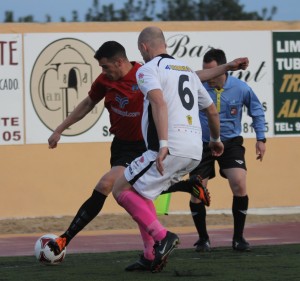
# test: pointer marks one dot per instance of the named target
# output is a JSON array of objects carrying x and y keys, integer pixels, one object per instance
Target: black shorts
[
  {"x": 124, "y": 152},
  {"x": 232, "y": 157}
]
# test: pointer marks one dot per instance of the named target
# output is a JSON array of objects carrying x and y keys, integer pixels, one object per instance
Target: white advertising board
[
  {"x": 59, "y": 69},
  {"x": 256, "y": 45},
  {"x": 11, "y": 90}
]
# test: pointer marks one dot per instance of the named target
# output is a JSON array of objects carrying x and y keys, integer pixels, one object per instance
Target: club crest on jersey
[
  {"x": 189, "y": 119},
  {"x": 233, "y": 110},
  {"x": 141, "y": 78},
  {"x": 122, "y": 101}
]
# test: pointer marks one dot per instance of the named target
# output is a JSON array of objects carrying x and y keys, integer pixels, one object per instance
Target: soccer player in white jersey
[{"x": 172, "y": 133}]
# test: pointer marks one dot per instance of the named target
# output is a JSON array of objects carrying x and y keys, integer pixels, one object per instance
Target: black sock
[
  {"x": 239, "y": 211},
  {"x": 87, "y": 212},
  {"x": 183, "y": 186},
  {"x": 198, "y": 211}
]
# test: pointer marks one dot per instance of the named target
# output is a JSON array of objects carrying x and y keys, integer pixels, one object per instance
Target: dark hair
[
  {"x": 109, "y": 50},
  {"x": 215, "y": 54}
]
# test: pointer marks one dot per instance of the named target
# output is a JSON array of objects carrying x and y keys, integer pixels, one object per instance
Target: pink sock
[
  {"x": 147, "y": 239},
  {"x": 142, "y": 212},
  {"x": 151, "y": 206},
  {"x": 148, "y": 244}
]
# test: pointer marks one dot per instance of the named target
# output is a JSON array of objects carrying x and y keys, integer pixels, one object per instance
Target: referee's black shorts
[
  {"x": 232, "y": 157},
  {"x": 124, "y": 152}
]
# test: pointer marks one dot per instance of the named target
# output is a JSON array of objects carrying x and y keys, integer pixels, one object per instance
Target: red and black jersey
[{"x": 124, "y": 102}]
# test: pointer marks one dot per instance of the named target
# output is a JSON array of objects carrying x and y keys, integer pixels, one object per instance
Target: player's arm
[
  {"x": 82, "y": 109},
  {"x": 160, "y": 117},
  {"x": 215, "y": 143},
  {"x": 206, "y": 74}
]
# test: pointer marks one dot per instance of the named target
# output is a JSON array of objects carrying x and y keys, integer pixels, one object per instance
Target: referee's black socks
[
  {"x": 198, "y": 211},
  {"x": 239, "y": 211}
]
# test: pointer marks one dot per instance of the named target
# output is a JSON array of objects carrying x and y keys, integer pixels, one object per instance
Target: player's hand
[
  {"x": 260, "y": 150},
  {"x": 53, "y": 140},
  {"x": 162, "y": 154},
  {"x": 239, "y": 63},
  {"x": 217, "y": 148}
]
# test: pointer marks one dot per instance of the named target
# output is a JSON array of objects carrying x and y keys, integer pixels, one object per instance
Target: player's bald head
[
  {"x": 151, "y": 43},
  {"x": 152, "y": 36}
]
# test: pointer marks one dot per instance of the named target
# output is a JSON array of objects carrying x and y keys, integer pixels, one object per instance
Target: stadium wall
[{"x": 36, "y": 181}]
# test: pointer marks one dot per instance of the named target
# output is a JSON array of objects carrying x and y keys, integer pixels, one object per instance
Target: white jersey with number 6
[{"x": 185, "y": 96}]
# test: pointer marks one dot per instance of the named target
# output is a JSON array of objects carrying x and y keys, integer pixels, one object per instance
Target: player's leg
[
  {"x": 137, "y": 207},
  {"x": 198, "y": 210},
  {"x": 233, "y": 167},
  {"x": 122, "y": 152},
  {"x": 193, "y": 185},
  {"x": 146, "y": 259},
  {"x": 146, "y": 180},
  {"x": 141, "y": 209},
  {"x": 237, "y": 182},
  {"x": 166, "y": 241},
  {"x": 92, "y": 206},
  {"x": 89, "y": 209}
]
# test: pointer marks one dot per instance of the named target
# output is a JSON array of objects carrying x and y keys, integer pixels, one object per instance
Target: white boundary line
[{"x": 256, "y": 211}]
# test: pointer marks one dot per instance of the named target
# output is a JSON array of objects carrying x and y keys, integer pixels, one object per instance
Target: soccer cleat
[
  {"x": 57, "y": 245},
  {"x": 240, "y": 244},
  {"x": 203, "y": 245},
  {"x": 142, "y": 264},
  {"x": 199, "y": 191},
  {"x": 162, "y": 249}
]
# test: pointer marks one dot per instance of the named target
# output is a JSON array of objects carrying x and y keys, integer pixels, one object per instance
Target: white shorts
[{"x": 143, "y": 175}]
